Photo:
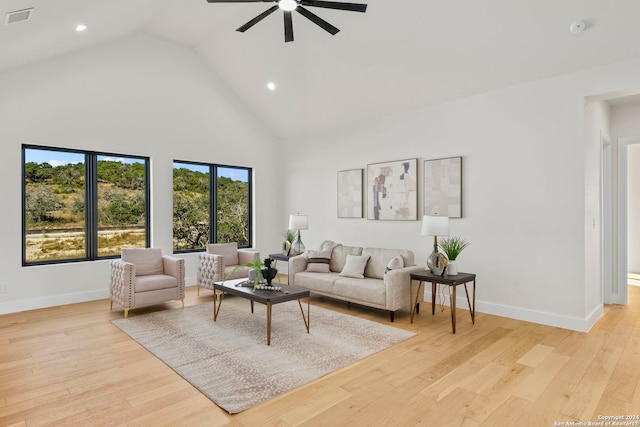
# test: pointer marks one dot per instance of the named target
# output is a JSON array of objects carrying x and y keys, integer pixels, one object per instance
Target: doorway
[{"x": 623, "y": 248}]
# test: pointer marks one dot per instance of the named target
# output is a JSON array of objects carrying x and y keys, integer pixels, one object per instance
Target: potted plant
[
  {"x": 288, "y": 240},
  {"x": 257, "y": 269},
  {"x": 452, "y": 246}
]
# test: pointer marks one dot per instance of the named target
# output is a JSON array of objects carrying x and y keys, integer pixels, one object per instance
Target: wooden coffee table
[{"x": 266, "y": 297}]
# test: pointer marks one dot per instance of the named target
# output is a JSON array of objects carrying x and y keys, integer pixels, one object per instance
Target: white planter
[{"x": 452, "y": 268}]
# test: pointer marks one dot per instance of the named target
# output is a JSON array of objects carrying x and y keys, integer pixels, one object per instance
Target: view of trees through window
[
  {"x": 80, "y": 205},
  {"x": 195, "y": 187}
]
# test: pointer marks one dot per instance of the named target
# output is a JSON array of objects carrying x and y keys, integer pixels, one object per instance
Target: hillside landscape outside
[{"x": 55, "y": 205}]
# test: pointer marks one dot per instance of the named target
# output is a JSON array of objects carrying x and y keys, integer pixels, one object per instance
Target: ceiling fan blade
[
  {"x": 352, "y": 7},
  {"x": 317, "y": 20},
  {"x": 288, "y": 26},
  {"x": 257, "y": 19}
]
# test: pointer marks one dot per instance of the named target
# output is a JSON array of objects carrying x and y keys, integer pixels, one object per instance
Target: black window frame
[
  {"x": 91, "y": 203},
  {"x": 213, "y": 203}
]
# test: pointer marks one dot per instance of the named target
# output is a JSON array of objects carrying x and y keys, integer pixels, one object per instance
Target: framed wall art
[
  {"x": 350, "y": 193},
  {"x": 443, "y": 187},
  {"x": 392, "y": 190}
]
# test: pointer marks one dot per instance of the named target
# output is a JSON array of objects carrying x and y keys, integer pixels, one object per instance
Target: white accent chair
[
  {"x": 219, "y": 260},
  {"x": 144, "y": 276}
]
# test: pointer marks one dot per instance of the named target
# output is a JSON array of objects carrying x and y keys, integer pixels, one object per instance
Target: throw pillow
[
  {"x": 318, "y": 261},
  {"x": 395, "y": 264},
  {"x": 354, "y": 266}
]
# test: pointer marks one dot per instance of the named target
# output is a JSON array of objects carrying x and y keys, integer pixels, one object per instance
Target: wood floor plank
[{"x": 69, "y": 365}]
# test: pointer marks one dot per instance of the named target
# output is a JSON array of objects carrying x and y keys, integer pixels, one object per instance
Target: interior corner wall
[
  {"x": 137, "y": 95},
  {"x": 524, "y": 194}
]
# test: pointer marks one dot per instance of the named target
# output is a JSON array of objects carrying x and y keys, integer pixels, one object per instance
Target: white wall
[
  {"x": 528, "y": 190},
  {"x": 137, "y": 95}
]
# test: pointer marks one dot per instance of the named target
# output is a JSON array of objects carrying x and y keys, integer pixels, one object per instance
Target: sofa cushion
[
  {"x": 320, "y": 282},
  {"x": 355, "y": 265},
  {"x": 369, "y": 291},
  {"x": 227, "y": 250},
  {"x": 147, "y": 260},
  {"x": 380, "y": 259},
  {"x": 396, "y": 263},
  {"x": 154, "y": 282},
  {"x": 318, "y": 261},
  {"x": 241, "y": 272},
  {"x": 339, "y": 256}
]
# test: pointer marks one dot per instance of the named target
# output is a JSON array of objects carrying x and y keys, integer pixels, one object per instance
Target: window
[
  {"x": 199, "y": 191},
  {"x": 80, "y": 205}
]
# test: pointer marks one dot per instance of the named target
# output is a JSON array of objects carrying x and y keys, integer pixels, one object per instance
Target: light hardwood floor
[{"x": 69, "y": 365}]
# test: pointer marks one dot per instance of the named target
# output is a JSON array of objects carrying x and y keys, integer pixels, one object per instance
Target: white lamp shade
[
  {"x": 435, "y": 225},
  {"x": 298, "y": 222}
]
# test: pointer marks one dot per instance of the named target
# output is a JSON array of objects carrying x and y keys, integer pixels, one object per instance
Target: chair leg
[
  {"x": 182, "y": 299},
  {"x": 391, "y": 315},
  {"x": 198, "y": 289},
  {"x": 111, "y": 305},
  {"x": 126, "y": 311}
]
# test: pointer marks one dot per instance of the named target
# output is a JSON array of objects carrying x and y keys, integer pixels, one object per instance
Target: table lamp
[
  {"x": 298, "y": 222},
  {"x": 436, "y": 226}
]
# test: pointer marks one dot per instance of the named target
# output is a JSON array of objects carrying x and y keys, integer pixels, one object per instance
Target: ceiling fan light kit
[{"x": 288, "y": 6}]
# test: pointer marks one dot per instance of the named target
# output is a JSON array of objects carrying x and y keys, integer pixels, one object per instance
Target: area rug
[{"x": 229, "y": 360}]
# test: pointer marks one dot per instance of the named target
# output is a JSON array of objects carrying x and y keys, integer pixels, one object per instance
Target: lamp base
[
  {"x": 297, "y": 247},
  {"x": 437, "y": 262}
]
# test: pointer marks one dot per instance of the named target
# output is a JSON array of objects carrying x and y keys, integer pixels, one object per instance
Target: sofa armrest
[
  {"x": 398, "y": 284},
  {"x": 297, "y": 264},
  {"x": 246, "y": 256},
  {"x": 174, "y": 266},
  {"x": 210, "y": 270},
  {"x": 121, "y": 287}
]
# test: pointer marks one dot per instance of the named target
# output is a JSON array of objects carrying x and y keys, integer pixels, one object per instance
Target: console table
[{"x": 452, "y": 281}]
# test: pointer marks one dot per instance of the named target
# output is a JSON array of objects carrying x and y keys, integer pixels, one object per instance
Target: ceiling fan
[{"x": 289, "y": 6}]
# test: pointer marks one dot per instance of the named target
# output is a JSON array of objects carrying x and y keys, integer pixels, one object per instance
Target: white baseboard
[
  {"x": 52, "y": 301},
  {"x": 56, "y": 300},
  {"x": 543, "y": 318},
  {"x": 550, "y": 319}
]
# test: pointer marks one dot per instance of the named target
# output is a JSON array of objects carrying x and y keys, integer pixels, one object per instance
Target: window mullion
[
  {"x": 213, "y": 203},
  {"x": 91, "y": 211}
]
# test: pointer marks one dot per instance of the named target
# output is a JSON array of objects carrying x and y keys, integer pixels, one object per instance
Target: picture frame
[
  {"x": 442, "y": 179},
  {"x": 350, "y": 203},
  {"x": 392, "y": 190}
]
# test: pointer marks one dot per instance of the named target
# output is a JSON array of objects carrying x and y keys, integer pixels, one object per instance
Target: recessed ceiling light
[
  {"x": 271, "y": 86},
  {"x": 81, "y": 27}
]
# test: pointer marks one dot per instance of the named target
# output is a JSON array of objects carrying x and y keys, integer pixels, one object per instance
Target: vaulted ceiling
[{"x": 398, "y": 56}]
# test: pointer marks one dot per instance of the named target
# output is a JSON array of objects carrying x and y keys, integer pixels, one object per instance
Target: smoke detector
[
  {"x": 577, "y": 27},
  {"x": 18, "y": 16}
]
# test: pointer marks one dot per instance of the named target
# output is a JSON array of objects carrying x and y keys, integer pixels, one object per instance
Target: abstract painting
[
  {"x": 392, "y": 190},
  {"x": 350, "y": 194},
  {"x": 443, "y": 187}
]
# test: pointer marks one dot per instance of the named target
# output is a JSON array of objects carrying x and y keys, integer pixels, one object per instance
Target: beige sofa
[{"x": 378, "y": 288}]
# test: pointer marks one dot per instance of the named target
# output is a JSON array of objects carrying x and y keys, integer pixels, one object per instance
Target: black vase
[{"x": 269, "y": 272}]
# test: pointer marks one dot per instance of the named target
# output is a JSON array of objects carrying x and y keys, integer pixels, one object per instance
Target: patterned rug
[{"x": 229, "y": 361}]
